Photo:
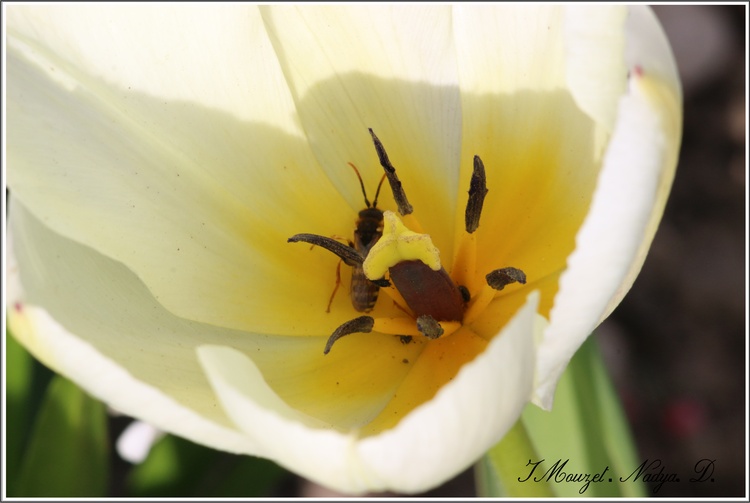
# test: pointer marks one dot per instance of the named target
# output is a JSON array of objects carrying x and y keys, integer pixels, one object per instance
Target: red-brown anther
[{"x": 427, "y": 291}]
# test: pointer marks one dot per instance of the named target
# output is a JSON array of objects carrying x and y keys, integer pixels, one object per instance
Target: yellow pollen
[{"x": 398, "y": 244}]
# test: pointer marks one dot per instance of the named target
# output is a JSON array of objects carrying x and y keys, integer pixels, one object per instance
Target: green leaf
[
  {"x": 67, "y": 453},
  {"x": 25, "y": 385},
  {"x": 586, "y": 431},
  {"x": 501, "y": 471},
  {"x": 19, "y": 368},
  {"x": 177, "y": 467}
]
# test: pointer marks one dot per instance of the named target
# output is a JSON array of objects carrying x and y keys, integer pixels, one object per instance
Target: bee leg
[{"x": 335, "y": 288}]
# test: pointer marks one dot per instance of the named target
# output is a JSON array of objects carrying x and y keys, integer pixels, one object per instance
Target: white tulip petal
[
  {"x": 504, "y": 49},
  {"x": 148, "y": 182},
  {"x": 386, "y": 67},
  {"x": 348, "y": 387},
  {"x": 630, "y": 197},
  {"x": 612, "y": 238},
  {"x": 436, "y": 441},
  {"x": 649, "y": 55},
  {"x": 135, "y": 442},
  {"x": 101, "y": 377},
  {"x": 101, "y": 328},
  {"x": 161, "y": 52},
  {"x": 647, "y": 46},
  {"x": 594, "y": 36}
]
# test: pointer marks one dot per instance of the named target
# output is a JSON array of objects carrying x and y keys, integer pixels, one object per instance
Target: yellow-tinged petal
[
  {"x": 161, "y": 52},
  {"x": 108, "y": 308},
  {"x": 540, "y": 151},
  {"x": 95, "y": 303},
  {"x": 416, "y": 452},
  {"x": 391, "y": 68},
  {"x": 344, "y": 389},
  {"x": 113, "y": 167},
  {"x": 110, "y": 345},
  {"x": 502, "y": 49}
]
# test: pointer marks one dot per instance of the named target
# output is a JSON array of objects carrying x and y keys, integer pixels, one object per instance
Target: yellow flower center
[{"x": 394, "y": 355}]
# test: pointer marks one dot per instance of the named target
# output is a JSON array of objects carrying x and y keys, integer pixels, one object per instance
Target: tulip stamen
[
  {"x": 348, "y": 254},
  {"x": 398, "y": 191},
  {"x": 404, "y": 328},
  {"x": 429, "y": 327},
  {"x": 477, "y": 192},
  {"x": 363, "y": 324},
  {"x": 500, "y": 278}
]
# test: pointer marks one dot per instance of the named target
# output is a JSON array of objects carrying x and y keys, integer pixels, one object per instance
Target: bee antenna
[
  {"x": 377, "y": 193},
  {"x": 362, "y": 184}
]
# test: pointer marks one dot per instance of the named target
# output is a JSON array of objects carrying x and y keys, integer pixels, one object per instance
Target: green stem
[{"x": 506, "y": 465}]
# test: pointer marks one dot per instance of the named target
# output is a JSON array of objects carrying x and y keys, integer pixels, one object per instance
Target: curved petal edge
[{"x": 434, "y": 442}]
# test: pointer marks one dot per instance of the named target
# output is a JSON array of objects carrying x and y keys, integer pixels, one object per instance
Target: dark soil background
[{"x": 677, "y": 345}]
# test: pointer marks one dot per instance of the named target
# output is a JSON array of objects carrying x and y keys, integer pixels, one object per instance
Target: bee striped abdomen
[
  {"x": 364, "y": 292},
  {"x": 369, "y": 229}
]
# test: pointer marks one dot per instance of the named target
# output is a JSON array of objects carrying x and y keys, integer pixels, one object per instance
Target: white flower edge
[
  {"x": 434, "y": 442},
  {"x": 627, "y": 205},
  {"x": 135, "y": 442},
  {"x": 105, "y": 380},
  {"x": 33, "y": 279}
]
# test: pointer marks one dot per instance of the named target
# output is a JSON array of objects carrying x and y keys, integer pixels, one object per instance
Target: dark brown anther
[
  {"x": 349, "y": 255},
  {"x": 464, "y": 293},
  {"x": 498, "y": 278},
  {"x": 398, "y": 191},
  {"x": 477, "y": 191},
  {"x": 429, "y": 327},
  {"x": 363, "y": 324}
]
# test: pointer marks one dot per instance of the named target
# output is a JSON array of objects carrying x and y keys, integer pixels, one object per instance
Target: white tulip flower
[{"x": 159, "y": 157}]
